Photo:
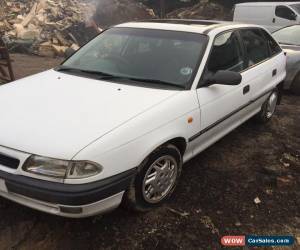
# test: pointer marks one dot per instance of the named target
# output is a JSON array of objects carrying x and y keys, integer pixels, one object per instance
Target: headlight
[{"x": 60, "y": 168}]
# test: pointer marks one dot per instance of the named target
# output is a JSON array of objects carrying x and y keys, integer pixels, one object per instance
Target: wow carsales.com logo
[{"x": 257, "y": 241}]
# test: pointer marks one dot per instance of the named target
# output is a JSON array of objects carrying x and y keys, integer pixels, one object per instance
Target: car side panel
[
  {"x": 219, "y": 102},
  {"x": 128, "y": 146},
  {"x": 260, "y": 80},
  {"x": 274, "y": 72},
  {"x": 293, "y": 67}
]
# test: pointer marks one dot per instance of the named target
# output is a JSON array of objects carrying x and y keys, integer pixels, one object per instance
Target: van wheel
[
  {"x": 156, "y": 179},
  {"x": 295, "y": 87},
  {"x": 269, "y": 107}
]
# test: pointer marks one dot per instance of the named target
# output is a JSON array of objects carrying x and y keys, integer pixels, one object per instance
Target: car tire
[
  {"x": 156, "y": 179},
  {"x": 269, "y": 107},
  {"x": 295, "y": 86}
]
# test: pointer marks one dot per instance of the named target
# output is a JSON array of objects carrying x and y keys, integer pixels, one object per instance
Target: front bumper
[{"x": 68, "y": 200}]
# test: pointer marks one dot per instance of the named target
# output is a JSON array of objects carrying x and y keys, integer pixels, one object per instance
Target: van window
[
  {"x": 256, "y": 46},
  {"x": 226, "y": 54},
  {"x": 285, "y": 12},
  {"x": 273, "y": 45}
]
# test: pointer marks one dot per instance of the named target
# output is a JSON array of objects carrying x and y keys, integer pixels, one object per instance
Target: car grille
[{"x": 9, "y": 162}]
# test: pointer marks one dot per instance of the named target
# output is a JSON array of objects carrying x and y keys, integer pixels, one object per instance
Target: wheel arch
[{"x": 180, "y": 143}]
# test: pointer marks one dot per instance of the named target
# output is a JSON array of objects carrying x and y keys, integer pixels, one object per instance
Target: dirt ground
[{"x": 215, "y": 196}]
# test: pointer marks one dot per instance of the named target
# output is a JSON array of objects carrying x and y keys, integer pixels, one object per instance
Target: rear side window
[
  {"x": 273, "y": 45},
  {"x": 285, "y": 12},
  {"x": 256, "y": 46},
  {"x": 226, "y": 54}
]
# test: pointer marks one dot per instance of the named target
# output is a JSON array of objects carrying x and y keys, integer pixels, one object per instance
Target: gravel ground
[{"x": 215, "y": 196}]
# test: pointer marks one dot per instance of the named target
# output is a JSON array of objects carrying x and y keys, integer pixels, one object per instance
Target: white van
[{"x": 271, "y": 15}]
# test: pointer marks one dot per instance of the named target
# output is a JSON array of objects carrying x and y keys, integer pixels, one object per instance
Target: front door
[{"x": 221, "y": 105}]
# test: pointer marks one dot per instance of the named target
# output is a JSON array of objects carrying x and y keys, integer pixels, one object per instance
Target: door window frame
[
  {"x": 269, "y": 49},
  {"x": 244, "y": 46},
  {"x": 236, "y": 30},
  {"x": 244, "y": 53}
]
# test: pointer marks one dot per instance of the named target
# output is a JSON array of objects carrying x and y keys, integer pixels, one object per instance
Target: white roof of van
[{"x": 266, "y": 3}]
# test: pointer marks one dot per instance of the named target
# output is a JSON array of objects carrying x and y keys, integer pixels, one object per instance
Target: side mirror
[{"x": 225, "y": 77}]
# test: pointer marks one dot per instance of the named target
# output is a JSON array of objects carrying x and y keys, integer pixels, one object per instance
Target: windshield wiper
[
  {"x": 106, "y": 76},
  {"x": 98, "y": 73},
  {"x": 145, "y": 80}
]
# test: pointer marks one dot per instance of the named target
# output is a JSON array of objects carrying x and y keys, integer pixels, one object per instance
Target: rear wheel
[
  {"x": 268, "y": 108},
  {"x": 156, "y": 179}
]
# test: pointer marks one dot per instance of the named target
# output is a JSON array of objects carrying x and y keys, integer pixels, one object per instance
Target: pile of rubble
[
  {"x": 50, "y": 27},
  {"x": 203, "y": 10},
  {"x": 111, "y": 12}
]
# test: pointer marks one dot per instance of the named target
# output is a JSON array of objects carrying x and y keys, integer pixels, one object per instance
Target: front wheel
[
  {"x": 156, "y": 179},
  {"x": 269, "y": 107}
]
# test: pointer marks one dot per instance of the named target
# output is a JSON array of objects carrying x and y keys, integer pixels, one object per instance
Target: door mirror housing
[{"x": 224, "y": 77}]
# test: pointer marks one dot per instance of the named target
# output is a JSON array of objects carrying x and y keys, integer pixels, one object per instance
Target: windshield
[
  {"x": 135, "y": 53},
  {"x": 289, "y": 35},
  {"x": 296, "y": 7}
]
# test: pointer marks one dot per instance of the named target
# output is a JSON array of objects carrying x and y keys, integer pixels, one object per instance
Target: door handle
[
  {"x": 274, "y": 20},
  {"x": 246, "y": 89},
  {"x": 274, "y": 73}
]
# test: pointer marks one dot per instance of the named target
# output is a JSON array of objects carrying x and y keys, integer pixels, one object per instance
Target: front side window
[
  {"x": 226, "y": 54},
  {"x": 143, "y": 55},
  {"x": 256, "y": 46},
  {"x": 285, "y": 13}
]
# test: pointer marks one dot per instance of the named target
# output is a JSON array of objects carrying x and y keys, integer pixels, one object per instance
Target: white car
[{"x": 115, "y": 122}]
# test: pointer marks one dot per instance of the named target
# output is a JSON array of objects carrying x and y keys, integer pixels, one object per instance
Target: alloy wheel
[{"x": 160, "y": 178}]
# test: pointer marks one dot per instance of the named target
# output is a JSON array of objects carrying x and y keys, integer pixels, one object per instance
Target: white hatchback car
[{"x": 116, "y": 121}]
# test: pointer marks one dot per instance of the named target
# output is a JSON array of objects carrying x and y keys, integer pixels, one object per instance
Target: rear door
[{"x": 262, "y": 66}]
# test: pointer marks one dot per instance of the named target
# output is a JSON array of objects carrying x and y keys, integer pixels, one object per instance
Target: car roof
[
  {"x": 266, "y": 3},
  {"x": 185, "y": 25}
]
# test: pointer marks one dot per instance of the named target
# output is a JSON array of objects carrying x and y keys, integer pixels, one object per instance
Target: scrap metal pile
[
  {"x": 203, "y": 10},
  {"x": 50, "y": 27}
]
